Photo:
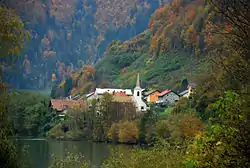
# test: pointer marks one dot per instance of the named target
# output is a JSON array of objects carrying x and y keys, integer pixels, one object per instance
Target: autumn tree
[
  {"x": 128, "y": 132},
  {"x": 232, "y": 47},
  {"x": 12, "y": 36}
]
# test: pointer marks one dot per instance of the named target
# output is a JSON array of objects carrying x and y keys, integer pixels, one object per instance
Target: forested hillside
[
  {"x": 171, "y": 51},
  {"x": 66, "y": 34}
]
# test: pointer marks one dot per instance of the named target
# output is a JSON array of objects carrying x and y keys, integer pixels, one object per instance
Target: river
[{"x": 38, "y": 151}]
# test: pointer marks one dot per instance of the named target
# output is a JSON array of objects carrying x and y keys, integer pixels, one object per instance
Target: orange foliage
[
  {"x": 153, "y": 43},
  {"x": 190, "y": 126},
  {"x": 191, "y": 14},
  {"x": 176, "y": 3}
]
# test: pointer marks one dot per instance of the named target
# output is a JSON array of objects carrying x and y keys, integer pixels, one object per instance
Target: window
[{"x": 138, "y": 93}]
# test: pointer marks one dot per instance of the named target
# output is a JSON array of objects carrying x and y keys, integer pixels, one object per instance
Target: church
[{"x": 123, "y": 95}]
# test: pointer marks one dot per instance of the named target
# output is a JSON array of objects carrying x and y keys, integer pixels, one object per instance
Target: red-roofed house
[
  {"x": 168, "y": 97},
  {"x": 61, "y": 106}
]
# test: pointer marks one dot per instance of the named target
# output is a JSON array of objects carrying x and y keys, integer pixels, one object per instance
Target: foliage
[
  {"x": 147, "y": 124},
  {"x": 179, "y": 127},
  {"x": 128, "y": 132},
  {"x": 172, "y": 38},
  {"x": 64, "y": 33},
  {"x": 12, "y": 36},
  {"x": 161, "y": 155},
  {"x": 71, "y": 160},
  {"x": 29, "y": 114},
  {"x": 8, "y": 152},
  {"x": 12, "y": 33},
  {"x": 225, "y": 143},
  {"x": 102, "y": 121}
]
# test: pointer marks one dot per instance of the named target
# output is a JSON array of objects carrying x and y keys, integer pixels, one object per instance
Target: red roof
[
  {"x": 119, "y": 93},
  {"x": 164, "y": 92},
  {"x": 61, "y": 105}
]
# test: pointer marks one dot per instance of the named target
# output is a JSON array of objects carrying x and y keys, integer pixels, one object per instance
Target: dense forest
[
  {"x": 67, "y": 34},
  {"x": 173, "y": 49}
]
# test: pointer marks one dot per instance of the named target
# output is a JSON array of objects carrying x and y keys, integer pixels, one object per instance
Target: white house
[
  {"x": 99, "y": 92},
  {"x": 136, "y": 96}
]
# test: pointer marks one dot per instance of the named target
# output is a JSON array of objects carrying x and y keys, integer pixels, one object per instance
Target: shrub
[
  {"x": 128, "y": 132},
  {"x": 161, "y": 155},
  {"x": 71, "y": 160}
]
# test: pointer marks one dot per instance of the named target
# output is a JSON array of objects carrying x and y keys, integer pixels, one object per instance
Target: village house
[
  {"x": 191, "y": 88},
  {"x": 62, "y": 105},
  {"x": 189, "y": 91},
  {"x": 151, "y": 96},
  {"x": 184, "y": 93},
  {"x": 168, "y": 97},
  {"x": 122, "y": 95}
]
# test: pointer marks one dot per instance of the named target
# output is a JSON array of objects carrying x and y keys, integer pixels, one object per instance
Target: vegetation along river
[{"x": 38, "y": 151}]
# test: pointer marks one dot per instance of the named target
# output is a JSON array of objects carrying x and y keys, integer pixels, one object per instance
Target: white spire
[{"x": 138, "y": 81}]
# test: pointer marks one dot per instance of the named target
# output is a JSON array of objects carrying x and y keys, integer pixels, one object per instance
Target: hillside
[
  {"x": 170, "y": 52},
  {"x": 66, "y": 34}
]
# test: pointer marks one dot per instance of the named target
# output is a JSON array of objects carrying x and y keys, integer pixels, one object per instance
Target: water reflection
[{"x": 38, "y": 152}]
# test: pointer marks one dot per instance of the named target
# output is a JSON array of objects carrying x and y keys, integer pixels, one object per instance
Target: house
[
  {"x": 62, "y": 106},
  {"x": 98, "y": 93},
  {"x": 122, "y": 95},
  {"x": 151, "y": 96},
  {"x": 191, "y": 87},
  {"x": 168, "y": 97},
  {"x": 184, "y": 93}
]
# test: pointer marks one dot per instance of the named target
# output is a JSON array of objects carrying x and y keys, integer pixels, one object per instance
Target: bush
[
  {"x": 128, "y": 132},
  {"x": 179, "y": 126},
  {"x": 71, "y": 160},
  {"x": 226, "y": 142},
  {"x": 113, "y": 132},
  {"x": 161, "y": 155}
]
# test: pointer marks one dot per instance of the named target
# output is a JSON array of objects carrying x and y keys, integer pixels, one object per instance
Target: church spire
[{"x": 138, "y": 81}]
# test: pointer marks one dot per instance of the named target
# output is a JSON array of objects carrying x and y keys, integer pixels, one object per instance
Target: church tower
[
  {"x": 140, "y": 105},
  {"x": 138, "y": 90}
]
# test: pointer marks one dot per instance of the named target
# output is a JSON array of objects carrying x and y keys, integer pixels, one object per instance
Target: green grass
[{"x": 166, "y": 112}]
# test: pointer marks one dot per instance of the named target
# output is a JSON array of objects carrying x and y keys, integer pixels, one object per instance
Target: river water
[{"x": 38, "y": 151}]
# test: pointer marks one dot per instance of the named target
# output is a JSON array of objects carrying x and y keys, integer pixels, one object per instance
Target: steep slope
[
  {"x": 172, "y": 49},
  {"x": 66, "y": 34},
  {"x": 171, "y": 52}
]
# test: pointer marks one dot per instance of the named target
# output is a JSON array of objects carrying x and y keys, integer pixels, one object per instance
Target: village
[{"x": 139, "y": 97}]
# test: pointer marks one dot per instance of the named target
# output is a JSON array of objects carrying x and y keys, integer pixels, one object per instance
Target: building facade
[
  {"x": 152, "y": 96},
  {"x": 168, "y": 97},
  {"x": 135, "y": 96}
]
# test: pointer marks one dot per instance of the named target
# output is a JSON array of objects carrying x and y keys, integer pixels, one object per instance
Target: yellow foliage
[
  {"x": 62, "y": 84},
  {"x": 113, "y": 132},
  {"x": 128, "y": 132}
]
